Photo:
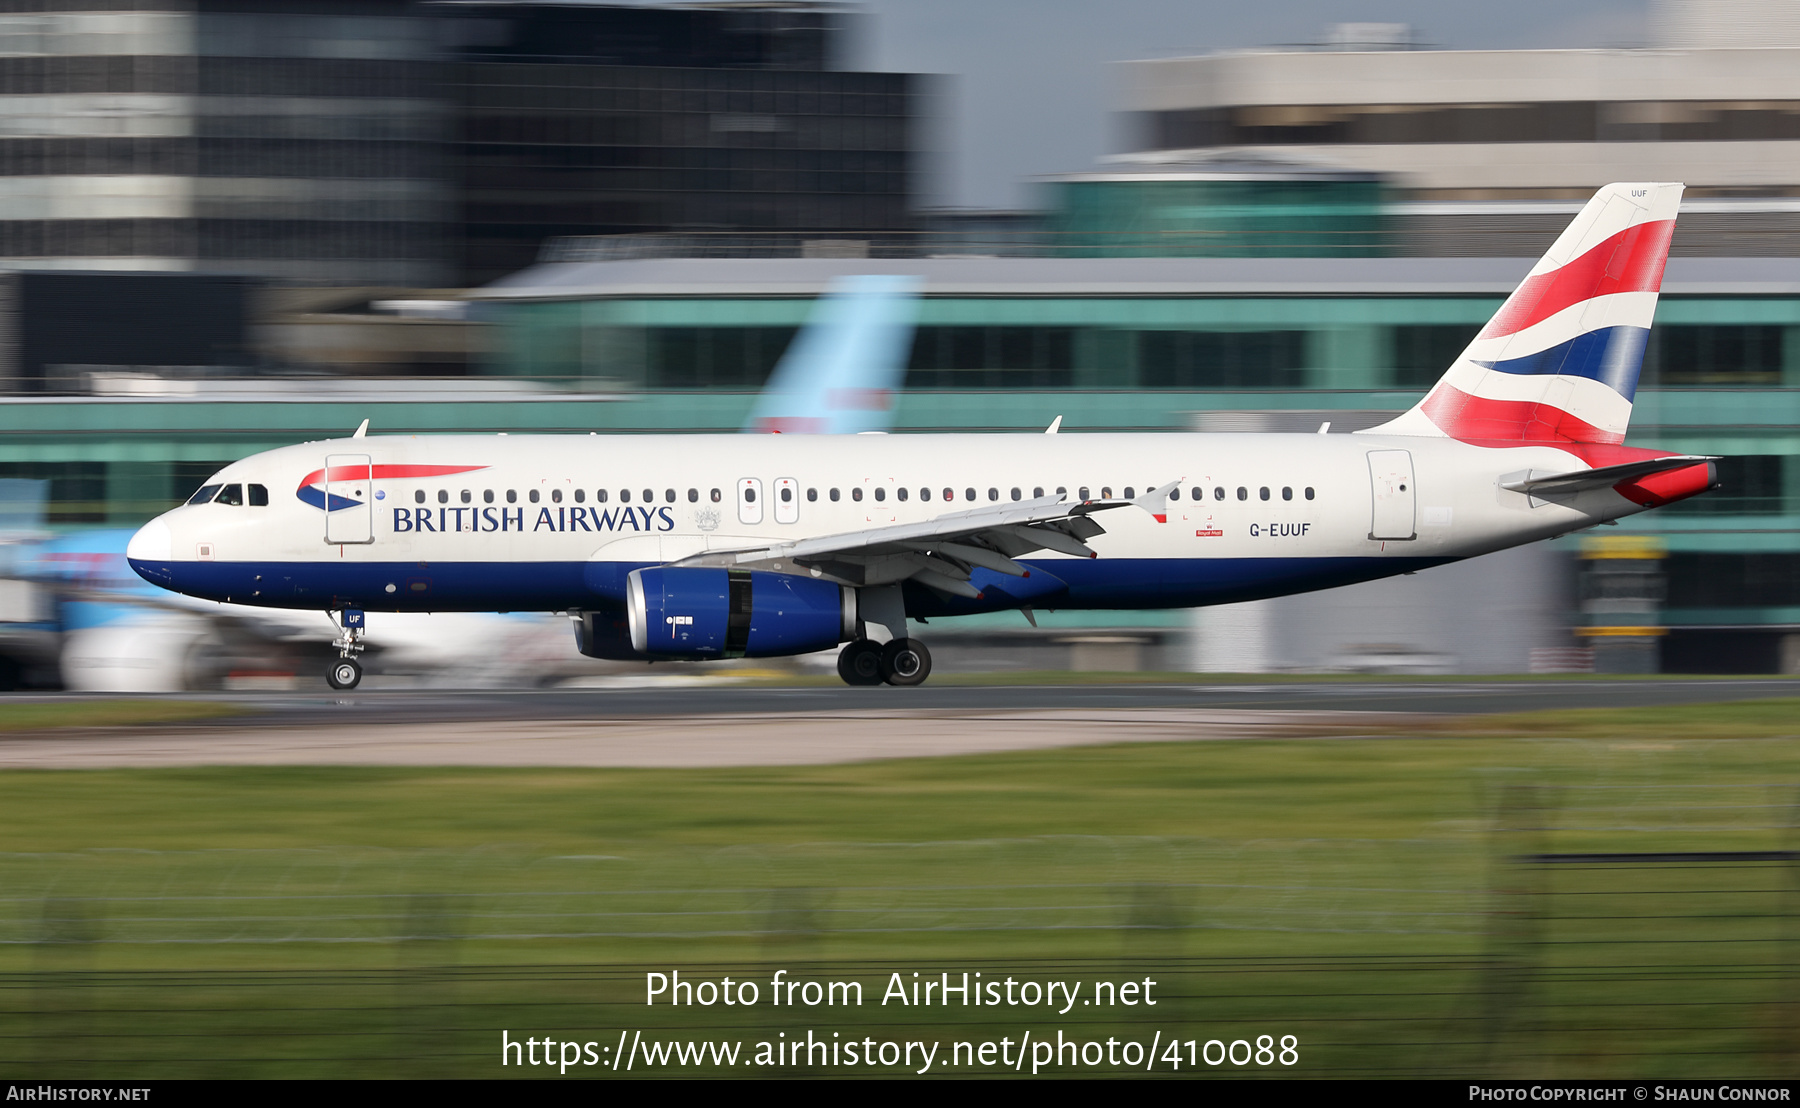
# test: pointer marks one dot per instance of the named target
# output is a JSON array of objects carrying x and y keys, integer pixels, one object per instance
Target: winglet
[
  {"x": 362, "y": 431},
  {"x": 1055, "y": 424},
  {"x": 1156, "y": 501}
]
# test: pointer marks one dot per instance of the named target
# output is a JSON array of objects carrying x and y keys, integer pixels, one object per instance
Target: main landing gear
[
  {"x": 346, "y": 673},
  {"x": 900, "y": 662}
]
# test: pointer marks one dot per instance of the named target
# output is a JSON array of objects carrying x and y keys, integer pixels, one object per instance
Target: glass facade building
[
  {"x": 394, "y": 143},
  {"x": 282, "y": 139}
]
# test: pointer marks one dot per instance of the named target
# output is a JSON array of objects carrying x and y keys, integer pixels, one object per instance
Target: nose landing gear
[{"x": 346, "y": 672}]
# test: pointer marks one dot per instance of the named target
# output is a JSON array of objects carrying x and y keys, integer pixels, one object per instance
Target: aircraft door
[
  {"x": 749, "y": 498},
  {"x": 1391, "y": 478},
  {"x": 349, "y": 501},
  {"x": 787, "y": 500}
]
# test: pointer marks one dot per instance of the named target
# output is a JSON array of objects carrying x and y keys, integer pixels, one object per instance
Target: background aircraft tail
[
  {"x": 840, "y": 374},
  {"x": 1559, "y": 361}
]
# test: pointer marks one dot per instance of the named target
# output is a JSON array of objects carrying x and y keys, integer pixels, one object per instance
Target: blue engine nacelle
[
  {"x": 605, "y": 633},
  {"x": 718, "y": 613}
]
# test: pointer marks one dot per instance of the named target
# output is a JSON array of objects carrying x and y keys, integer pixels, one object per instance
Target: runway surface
[
  {"x": 734, "y": 726},
  {"x": 678, "y": 698}
]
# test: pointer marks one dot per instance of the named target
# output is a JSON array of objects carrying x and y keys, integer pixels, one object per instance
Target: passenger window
[
  {"x": 1243, "y": 493},
  {"x": 1263, "y": 492},
  {"x": 1287, "y": 493},
  {"x": 1062, "y": 490},
  {"x": 924, "y": 494},
  {"x": 812, "y": 494},
  {"x": 467, "y": 496},
  {"x": 993, "y": 494},
  {"x": 1309, "y": 492},
  {"x": 1106, "y": 492},
  {"x": 968, "y": 494},
  {"x": 693, "y": 496},
  {"x": 1130, "y": 492},
  {"x": 207, "y": 492},
  {"x": 418, "y": 496},
  {"x": 717, "y": 496},
  {"x": 232, "y": 495},
  {"x": 487, "y": 496},
  {"x": 949, "y": 495},
  {"x": 787, "y": 495},
  {"x": 856, "y": 494},
  {"x": 1015, "y": 494},
  {"x": 259, "y": 496},
  {"x": 1035, "y": 493},
  {"x": 749, "y": 496},
  {"x": 600, "y": 496},
  {"x": 512, "y": 496},
  {"x": 649, "y": 496},
  {"x": 669, "y": 495},
  {"x": 624, "y": 496},
  {"x": 556, "y": 496},
  {"x": 1219, "y": 492},
  {"x": 901, "y": 492},
  {"x": 444, "y": 496},
  {"x": 880, "y": 493},
  {"x": 580, "y": 496},
  {"x": 1082, "y": 493},
  {"x": 834, "y": 496}
]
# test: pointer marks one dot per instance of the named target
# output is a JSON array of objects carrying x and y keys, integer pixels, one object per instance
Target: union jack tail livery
[{"x": 1559, "y": 361}]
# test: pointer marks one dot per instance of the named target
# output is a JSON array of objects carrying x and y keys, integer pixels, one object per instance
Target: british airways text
[{"x": 484, "y": 520}]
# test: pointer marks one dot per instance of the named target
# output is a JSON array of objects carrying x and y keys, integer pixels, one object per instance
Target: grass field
[
  {"x": 122, "y": 712},
  {"x": 1366, "y": 896}
]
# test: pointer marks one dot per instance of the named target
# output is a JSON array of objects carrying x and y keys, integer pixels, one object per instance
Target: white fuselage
[{"x": 556, "y": 522}]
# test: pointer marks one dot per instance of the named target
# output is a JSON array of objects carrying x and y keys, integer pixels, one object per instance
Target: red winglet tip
[{"x": 1162, "y": 519}]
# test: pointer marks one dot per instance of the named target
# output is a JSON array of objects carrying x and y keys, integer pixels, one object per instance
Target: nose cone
[
  {"x": 152, "y": 542},
  {"x": 150, "y": 551}
]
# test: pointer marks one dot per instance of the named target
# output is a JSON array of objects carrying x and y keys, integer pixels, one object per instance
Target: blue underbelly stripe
[{"x": 556, "y": 586}]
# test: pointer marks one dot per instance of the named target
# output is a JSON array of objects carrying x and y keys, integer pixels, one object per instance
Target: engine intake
[{"x": 699, "y": 613}]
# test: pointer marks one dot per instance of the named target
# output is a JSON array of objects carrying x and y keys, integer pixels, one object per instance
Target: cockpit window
[
  {"x": 259, "y": 496},
  {"x": 232, "y": 495},
  {"x": 205, "y": 495}
]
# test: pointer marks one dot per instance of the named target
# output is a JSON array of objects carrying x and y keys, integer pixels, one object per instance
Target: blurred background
[{"x": 230, "y": 225}]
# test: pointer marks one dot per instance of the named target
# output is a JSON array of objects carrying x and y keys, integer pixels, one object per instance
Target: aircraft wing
[
  {"x": 941, "y": 553},
  {"x": 1582, "y": 480}
]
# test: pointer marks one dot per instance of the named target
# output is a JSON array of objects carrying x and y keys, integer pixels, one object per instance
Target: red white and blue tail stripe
[{"x": 1559, "y": 362}]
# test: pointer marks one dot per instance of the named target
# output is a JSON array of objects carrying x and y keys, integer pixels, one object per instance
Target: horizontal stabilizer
[{"x": 1582, "y": 480}]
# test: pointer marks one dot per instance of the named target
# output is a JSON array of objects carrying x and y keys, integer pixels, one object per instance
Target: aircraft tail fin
[
  {"x": 1559, "y": 361},
  {"x": 841, "y": 372}
]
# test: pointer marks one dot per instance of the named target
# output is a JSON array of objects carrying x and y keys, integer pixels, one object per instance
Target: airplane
[{"x": 700, "y": 547}]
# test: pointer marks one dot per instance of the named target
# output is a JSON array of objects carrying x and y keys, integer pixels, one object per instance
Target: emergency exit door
[
  {"x": 349, "y": 507},
  {"x": 1391, "y": 481}
]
